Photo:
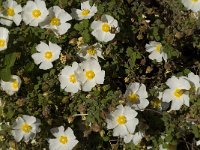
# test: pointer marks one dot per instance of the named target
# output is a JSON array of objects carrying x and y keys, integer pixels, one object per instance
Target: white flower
[
  {"x": 122, "y": 120},
  {"x": 11, "y": 12},
  {"x": 90, "y": 74},
  {"x": 68, "y": 78},
  {"x": 11, "y": 86},
  {"x": 47, "y": 54},
  {"x": 136, "y": 96},
  {"x": 156, "y": 50},
  {"x": 105, "y": 29},
  {"x": 136, "y": 138},
  {"x": 25, "y": 127},
  {"x": 195, "y": 80},
  {"x": 193, "y": 5},
  {"x": 65, "y": 139},
  {"x": 34, "y": 12},
  {"x": 86, "y": 11},
  {"x": 3, "y": 38},
  {"x": 177, "y": 92},
  {"x": 92, "y": 51},
  {"x": 198, "y": 143},
  {"x": 57, "y": 20}
]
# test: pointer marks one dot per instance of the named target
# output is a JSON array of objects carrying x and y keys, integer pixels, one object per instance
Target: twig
[{"x": 79, "y": 115}]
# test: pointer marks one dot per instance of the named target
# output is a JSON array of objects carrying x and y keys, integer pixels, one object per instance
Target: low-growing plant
[{"x": 117, "y": 74}]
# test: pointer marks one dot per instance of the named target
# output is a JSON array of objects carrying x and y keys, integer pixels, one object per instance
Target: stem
[{"x": 79, "y": 115}]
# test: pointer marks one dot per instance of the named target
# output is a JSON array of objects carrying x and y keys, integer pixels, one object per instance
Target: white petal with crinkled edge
[
  {"x": 37, "y": 57},
  {"x": 131, "y": 124},
  {"x": 99, "y": 77},
  {"x": 142, "y": 105},
  {"x": 46, "y": 65},
  {"x": 137, "y": 137},
  {"x": 176, "y": 104},
  {"x": 29, "y": 119},
  {"x": 167, "y": 95},
  {"x": 128, "y": 138},
  {"x": 63, "y": 28},
  {"x": 88, "y": 85},
  {"x": 120, "y": 130},
  {"x": 142, "y": 91},
  {"x": 111, "y": 122},
  {"x": 17, "y": 134}
]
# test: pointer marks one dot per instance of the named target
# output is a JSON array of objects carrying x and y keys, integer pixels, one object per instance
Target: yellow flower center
[
  {"x": 178, "y": 92},
  {"x": 194, "y": 0},
  {"x": 91, "y": 51},
  {"x": 2, "y": 43},
  {"x": 26, "y": 128},
  {"x": 85, "y": 12},
  {"x": 10, "y": 12},
  {"x": 121, "y": 119},
  {"x": 156, "y": 103},
  {"x": 15, "y": 84},
  {"x": 36, "y": 13},
  {"x": 105, "y": 27},
  {"x": 48, "y": 55},
  {"x": 63, "y": 139},
  {"x": 89, "y": 74},
  {"x": 158, "y": 48},
  {"x": 72, "y": 78},
  {"x": 133, "y": 98},
  {"x": 55, "y": 21}
]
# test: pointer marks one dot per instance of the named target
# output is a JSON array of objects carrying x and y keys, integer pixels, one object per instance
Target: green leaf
[
  {"x": 195, "y": 131},
  {"x": 5, "y": 74},
  {"x": 29, "y": 67},
  {"x": 133, "y": 56},
  {"x": 9, "y": 60}
]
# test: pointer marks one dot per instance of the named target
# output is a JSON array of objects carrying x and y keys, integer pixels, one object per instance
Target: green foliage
[{"x": 126, "y": 60}]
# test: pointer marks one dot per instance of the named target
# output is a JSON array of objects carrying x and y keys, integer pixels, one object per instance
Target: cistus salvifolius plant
[{"x": 117, "y": 74}]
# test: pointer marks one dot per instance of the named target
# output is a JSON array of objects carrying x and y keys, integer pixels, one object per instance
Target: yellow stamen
[
  {"x": 90, "y": 74},
  {"x": 26, "y": 128},
  {"x": 48, "y": 55},
  {"x": 178, "y": 92},
  {"x": 105, "y": 27},
  {"x": 15, "y": 84},
  {"x": 158, "y": 48},
  {"x": 91, "y": 52},
  {"x": 55, "y": 21},
  {"x": 85, "y": 12},
  {"x": 36, "y": 13},
  {"x": 10, "y": 12},
  {"x": 121, "y": 119},
  {"x": 133, "y": 98},
  {"x": 63, "y": 139},
  {"x": 2, "y": 43},
  {"x": 72, "y": 78},
  {"x": 194, "y": 0}
]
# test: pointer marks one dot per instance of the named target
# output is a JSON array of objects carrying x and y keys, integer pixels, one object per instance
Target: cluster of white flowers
[
  {"x": 123, "y": 120},
  {"x": 35, "y": 13},
  {"x": 81, "y": 76},
  {"x": 87, "y": 74},
  {"x": 179, "y": 90},
  {"x": 26, "y": 127}
]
